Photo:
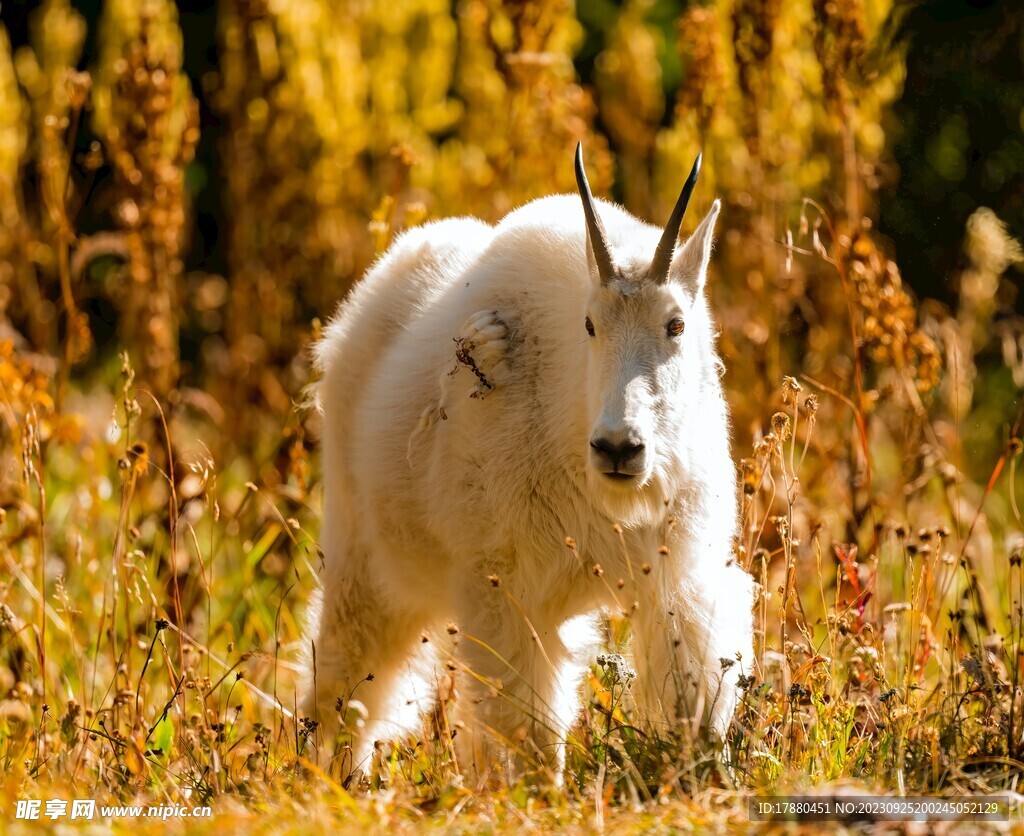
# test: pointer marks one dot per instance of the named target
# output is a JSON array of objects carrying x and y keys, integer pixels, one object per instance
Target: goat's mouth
[{"x": 621, "y": 479}]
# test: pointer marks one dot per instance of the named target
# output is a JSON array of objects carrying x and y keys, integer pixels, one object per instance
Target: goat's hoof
[{"x": 482, "y": 347}]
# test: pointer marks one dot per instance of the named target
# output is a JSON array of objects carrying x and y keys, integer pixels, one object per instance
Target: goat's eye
[
  {"x": 675, "y": 327},
  {"x": 589, "y": 326}
]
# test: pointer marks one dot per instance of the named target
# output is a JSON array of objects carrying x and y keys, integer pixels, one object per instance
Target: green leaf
[{"x": 163, "y": 735}]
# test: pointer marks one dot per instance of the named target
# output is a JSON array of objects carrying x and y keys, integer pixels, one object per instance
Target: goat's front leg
[
  {"x": 517, "y": 696},
  {"x": 692, "y": 640}
]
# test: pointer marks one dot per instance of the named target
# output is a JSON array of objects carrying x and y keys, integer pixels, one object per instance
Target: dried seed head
[
  {"x": 790, "y": 389},
  {"x": 452, "y": 630},
  {"x": 780, "y": 426},
  {"x": 890, "y": 333},
  {"x": 494, "y": 580},
  {"x": 140, "y": 453}
]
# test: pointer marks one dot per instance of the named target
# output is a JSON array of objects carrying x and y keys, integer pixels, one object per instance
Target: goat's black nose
[{"x": 617, "y": 453}]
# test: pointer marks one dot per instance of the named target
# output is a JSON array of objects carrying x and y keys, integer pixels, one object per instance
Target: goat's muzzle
[{"x": 618, "y": 458}]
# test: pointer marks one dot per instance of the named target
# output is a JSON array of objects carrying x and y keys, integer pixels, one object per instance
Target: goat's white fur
[{"x": 437, "y": 479}]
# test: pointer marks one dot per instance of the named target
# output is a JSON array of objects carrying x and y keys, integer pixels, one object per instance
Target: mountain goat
[{"x": 524, "y": 425}]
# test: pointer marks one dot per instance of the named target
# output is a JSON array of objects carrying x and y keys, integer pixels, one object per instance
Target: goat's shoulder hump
[
  {"x": 450, "y": 237},
  {"x": 560, "y": 217},
  {"x": 418, "y": 266}
]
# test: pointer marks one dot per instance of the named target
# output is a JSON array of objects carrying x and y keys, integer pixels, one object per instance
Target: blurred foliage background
[
  {"x": 196, "y": 184},
  {"x": 236, "y": 165}
]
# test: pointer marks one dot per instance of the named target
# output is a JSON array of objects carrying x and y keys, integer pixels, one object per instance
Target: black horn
[
  {"x": 667, "y": 245},
  {"x": 595, "y": 230}
]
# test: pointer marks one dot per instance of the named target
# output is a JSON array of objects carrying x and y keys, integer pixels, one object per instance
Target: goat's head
[{"x": 650, "y": 347}]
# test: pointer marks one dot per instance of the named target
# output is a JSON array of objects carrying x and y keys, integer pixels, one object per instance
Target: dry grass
[{"x": 159, "y": 532}]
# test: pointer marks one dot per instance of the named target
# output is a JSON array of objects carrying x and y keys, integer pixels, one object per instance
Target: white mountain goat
[{"x": 524, "y": 425}]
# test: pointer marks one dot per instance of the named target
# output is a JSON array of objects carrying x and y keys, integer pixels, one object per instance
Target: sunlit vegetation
[{"x": 159, "y": 488}]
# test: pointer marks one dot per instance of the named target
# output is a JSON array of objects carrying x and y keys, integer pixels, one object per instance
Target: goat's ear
[{"x": 690, "y": 263}]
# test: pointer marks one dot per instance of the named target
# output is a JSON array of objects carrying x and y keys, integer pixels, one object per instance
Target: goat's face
[
  {"x": 649, "y": 337},
  {"x": 637, "y": 368}
]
